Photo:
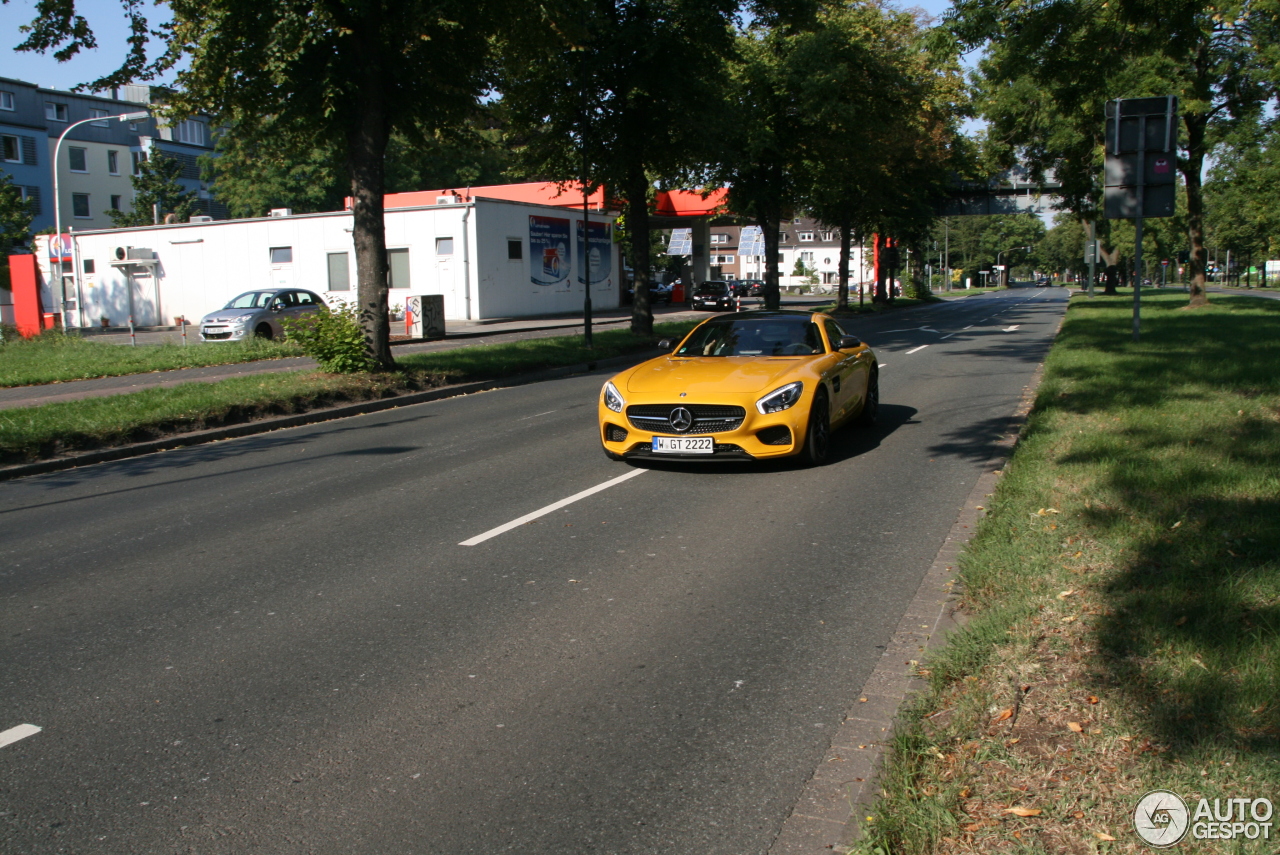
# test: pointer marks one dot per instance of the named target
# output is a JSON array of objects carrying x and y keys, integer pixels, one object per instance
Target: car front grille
[
  {"x": 613, "y": 433},
  {"x": 707, "y": 418},
  {"x": 216, "y": 334}
]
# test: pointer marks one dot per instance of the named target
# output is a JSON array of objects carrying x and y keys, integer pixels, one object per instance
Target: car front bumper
[
  {"x": 756, "y": 437},
  {"x": 222, "y": 332}
]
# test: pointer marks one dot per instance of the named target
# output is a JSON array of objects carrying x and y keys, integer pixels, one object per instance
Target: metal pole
[
  {"x": 1137, "y": 268},
  {"x": 1093, "y": 254},
  {"x": 946, "y": 245}
]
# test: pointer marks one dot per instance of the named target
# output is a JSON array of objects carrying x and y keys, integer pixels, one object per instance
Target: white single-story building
[{"x": 489, "y": 258}]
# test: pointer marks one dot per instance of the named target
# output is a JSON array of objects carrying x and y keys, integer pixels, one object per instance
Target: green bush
[{"x": 333, "y": 338}]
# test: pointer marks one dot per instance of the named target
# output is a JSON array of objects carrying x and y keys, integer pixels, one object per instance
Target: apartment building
[
  {"x": 98, "y": 158},
  {"x": 799, "y": 239}
]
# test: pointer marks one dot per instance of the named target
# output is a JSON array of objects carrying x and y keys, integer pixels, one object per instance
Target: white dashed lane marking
[
  {"x": 13, "y": 734},
  {"x": 554, "y": 506}
]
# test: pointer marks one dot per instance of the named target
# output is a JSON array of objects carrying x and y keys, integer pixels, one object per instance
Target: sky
[{"x": 106, "y": 18}]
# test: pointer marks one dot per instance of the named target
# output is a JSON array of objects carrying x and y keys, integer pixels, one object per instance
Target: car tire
[
  {"x": 264, "y": 331},
  {"x": 817, "y": 437},
  {"x": 870, "y": 403}
]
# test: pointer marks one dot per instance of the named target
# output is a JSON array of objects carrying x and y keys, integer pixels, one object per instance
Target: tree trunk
[
  {"x": 1191, "y": 168},
  {"x": 770, "y": 223},
  {"x": 638, "y": 226},
  {"x": 366, "y": 153},
  {"x": 846, "y": 240},
  {"x": 1111, "y": 272}
]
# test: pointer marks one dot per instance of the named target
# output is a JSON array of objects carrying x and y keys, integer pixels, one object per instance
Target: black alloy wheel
[
  {"x": 264, "y": 331},
  {"x": 870, "y": 403},
  {"x": 817, "y": 439}
]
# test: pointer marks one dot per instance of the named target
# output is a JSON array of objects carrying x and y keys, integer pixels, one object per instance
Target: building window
[
  {"x": 722, "y": 259},
  {"x": 139, "y": 157},
  {"x": 719, "y": 238},
  {"x": 78, "y": 158},
  {"x": 282, "y": 255},
  {"x": 398, "y": 268},
  {"x": 807, "y": 259},
  {"x": 444, "y": 246},
  {"x": 89, "y": 265},
  {"x": 515, "y": 249},
  {"x": 11, "y": 150},
  {"x": 190, "y": 131},
  {"x": 339, "y": 272},
  {"x": 96, "y": 113},
  {"x": 805, "y": 237},
  {"x": 80, "y": 206},
  {"x": 115, "y": 203},
  {"x": 55, "y": 112},
  {"x": 113, "y": 162},
  {"x": 6, "y": 101},
  {"x": 31, "y": 195}
]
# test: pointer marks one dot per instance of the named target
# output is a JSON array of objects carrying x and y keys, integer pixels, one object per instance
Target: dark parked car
[
  {"x": 257, "y": 313},
  {"x": 658, "y": 293},
  {"x": 715, "y": 294},
  {"x": 755, "y": 287}
]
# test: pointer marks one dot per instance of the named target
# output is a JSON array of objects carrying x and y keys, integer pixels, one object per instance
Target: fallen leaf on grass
[
  {"x": 1102, "y": 835},
  {"x": 1078, "y": 814},
  {"x": 1005, "y": 714},
  {"x": 1065, "y": 594},
  {"x": 1075, "y": 726},
  {"x": 1022, "y": 811},
  {"x": 1093, "y": 699}
]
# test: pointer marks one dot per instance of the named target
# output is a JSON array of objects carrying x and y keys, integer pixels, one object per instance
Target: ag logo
[{"x": 1161, "y": 818}]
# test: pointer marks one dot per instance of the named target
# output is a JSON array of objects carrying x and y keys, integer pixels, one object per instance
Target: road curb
[
  {"x": 342, "y": 411},
  {"x": 829, "y": 815}
]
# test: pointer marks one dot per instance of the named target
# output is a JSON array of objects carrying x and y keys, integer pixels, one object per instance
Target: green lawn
[
  {"x": 33, "y": 433},
  {"x": 1124, "y": 598},
  {"x": 56, "y": 358}
]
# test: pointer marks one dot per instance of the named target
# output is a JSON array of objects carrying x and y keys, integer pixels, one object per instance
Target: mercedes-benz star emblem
[{"x": 681, "y": 419}]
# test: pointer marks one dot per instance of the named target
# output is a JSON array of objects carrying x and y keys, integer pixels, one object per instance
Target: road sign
[
  {"x": 1164, "y": 263},
  {"x": 1140, "y": 177}
]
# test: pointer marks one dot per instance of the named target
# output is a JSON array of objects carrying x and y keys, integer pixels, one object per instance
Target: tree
[
  {"x": 317, "y": 73},
  {"x": 15, "y": 215},
  {"x": 1044, "y": 87},
  {"x": 882, "y": 99},
  {"x": 1240, "y": 195},
  {"x": 622, "y": 95},
  {"x": 157, "y": 194}
]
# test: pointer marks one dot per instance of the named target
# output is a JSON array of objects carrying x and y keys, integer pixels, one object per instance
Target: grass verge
[
  {"x": 55, "y": 357},
  {"x": 50, "y": 430},
  {"x": 1124, "y": 593}
]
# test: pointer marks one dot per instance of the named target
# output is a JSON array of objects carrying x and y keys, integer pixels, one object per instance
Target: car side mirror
[
  {"x": 277, "y": 307},
  {"x": 849, "y": 342}
]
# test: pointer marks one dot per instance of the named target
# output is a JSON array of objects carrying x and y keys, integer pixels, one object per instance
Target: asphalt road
[{"x": 278, "y": 644}]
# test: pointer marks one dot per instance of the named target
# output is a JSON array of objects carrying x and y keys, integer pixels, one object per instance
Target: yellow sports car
[{"x": 745, "y": 386}]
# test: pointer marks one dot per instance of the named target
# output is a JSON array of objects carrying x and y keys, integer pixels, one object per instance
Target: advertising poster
[
  {"x": 548, "y": 250},
  {"x": 601, "y": 251}
]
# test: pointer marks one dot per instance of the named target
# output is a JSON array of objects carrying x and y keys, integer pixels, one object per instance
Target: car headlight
[
  {"x": 612, "y": 399},
  {"x": 780, "y": 399},
  {"x": 239, "y": 322}
]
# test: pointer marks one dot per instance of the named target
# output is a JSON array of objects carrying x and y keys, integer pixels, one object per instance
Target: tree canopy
[{"x": 157, "y": 194}]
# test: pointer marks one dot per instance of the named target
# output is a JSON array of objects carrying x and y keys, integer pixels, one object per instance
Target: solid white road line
[
  {"x": 554, "y": 506},
  {"x": 13, "y": 734},
  {"x": 914, "y": 349}
]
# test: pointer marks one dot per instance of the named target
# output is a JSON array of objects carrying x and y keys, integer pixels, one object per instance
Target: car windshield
[
  {"x": 251, "y": 300},
  {"x": 712, "y": 288},
  {"x": 759, "y": 336}
]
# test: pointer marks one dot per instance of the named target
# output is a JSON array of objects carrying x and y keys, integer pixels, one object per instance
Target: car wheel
[
  {"x": 870, "y": 404},
  {"x": 817, "y": 439},
  {"x": 264, "y": 331}
]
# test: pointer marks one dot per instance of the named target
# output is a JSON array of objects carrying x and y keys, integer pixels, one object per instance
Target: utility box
[{"x": 424, "y": 316}]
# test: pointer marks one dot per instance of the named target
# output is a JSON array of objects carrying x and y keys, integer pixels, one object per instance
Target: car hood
[
  {"x": 720, "y": 374},
  {"x": 225, "y": 315}
]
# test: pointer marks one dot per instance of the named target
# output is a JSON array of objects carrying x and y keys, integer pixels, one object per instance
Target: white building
[{"x": 489, "y": 258}]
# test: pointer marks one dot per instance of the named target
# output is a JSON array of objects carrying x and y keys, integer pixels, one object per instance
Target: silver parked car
[{"x": 257, "y": 313}]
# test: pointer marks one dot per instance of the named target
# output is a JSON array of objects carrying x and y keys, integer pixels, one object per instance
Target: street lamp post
[
  {"x": 57, "y": 205},
  {"x": 1004, "y": 274}
]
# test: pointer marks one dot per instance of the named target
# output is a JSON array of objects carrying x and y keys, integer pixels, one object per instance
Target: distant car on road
[
  {"x": 714, "y": 294},
  {"x": 755, "y": 287},
  {"x": 258, "y": 313}
]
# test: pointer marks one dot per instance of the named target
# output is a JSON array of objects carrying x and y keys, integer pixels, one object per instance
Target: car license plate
[{"x": 683, "y": 445}]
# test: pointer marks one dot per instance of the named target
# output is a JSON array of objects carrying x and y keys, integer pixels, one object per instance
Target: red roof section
[{"x": 670, "y": 203}]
